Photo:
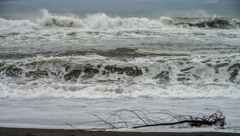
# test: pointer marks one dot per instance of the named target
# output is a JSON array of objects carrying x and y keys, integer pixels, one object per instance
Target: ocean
[{"x": 60, "y": 67}]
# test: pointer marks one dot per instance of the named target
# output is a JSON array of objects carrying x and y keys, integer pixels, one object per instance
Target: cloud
[
  {"x": 231, "y": 1},
  {"x": 211, "y": 1},
  {"x": 16, "y": 1},
  {"x": 120, "y": 4},
  {"x": 141, "y": 1}
]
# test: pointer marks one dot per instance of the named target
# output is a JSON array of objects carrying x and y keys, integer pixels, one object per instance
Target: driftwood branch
[{"x": 143, "y": 118}]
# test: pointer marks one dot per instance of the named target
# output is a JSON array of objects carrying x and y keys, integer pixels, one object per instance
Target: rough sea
[{"x": 59, "y": 67}]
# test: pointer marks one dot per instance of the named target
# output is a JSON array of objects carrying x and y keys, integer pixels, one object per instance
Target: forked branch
[{"x": 161, "y": 118}]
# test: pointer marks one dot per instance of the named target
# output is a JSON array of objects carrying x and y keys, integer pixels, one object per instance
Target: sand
[{"x": 61, "y": 132}]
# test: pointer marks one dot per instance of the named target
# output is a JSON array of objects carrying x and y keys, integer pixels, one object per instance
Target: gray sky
[{"x": 120, "y": 4}]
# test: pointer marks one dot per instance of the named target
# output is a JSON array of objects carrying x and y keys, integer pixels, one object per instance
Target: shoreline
[{"x": 61, "y": 132}]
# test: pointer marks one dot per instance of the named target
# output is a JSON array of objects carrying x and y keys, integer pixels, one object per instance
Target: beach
[
  {"x": 86, "y": 67},
  {"x": 57, "y": 132}
]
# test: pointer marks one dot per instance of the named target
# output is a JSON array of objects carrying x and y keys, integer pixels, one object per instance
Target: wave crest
[
  {"x": 17, "y": 25},
  {"x": 101, "y": 21},
  {"x": 104, "y": 22},
  {"x": 97, "y": 21}
]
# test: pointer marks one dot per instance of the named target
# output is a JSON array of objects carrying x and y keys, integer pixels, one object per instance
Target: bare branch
[{"x": 216, "y": 119}]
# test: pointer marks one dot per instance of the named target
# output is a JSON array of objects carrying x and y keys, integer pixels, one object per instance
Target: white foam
[
  {"x": 7, "y": 26},
  {"x": 97, "y": 90},
  {"x": 99, "y": 21},
  {"x": 117, "y": 85},
  {"x": 102, "y": 22}
]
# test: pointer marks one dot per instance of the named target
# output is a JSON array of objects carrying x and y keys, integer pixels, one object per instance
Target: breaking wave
[
  {"x": 101, "y": 21},
  {"x": 97, "y": 21},
  {"x": 172, "y": 69},
  {"x": 17, "y": 25},
  {"x": 100, "y": 77}
]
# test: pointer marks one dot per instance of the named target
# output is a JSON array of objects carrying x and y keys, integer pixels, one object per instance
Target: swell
[{"x": 118, "y": 52}]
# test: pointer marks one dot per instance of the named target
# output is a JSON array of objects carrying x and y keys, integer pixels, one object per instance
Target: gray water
[{"x": 57, "y": 65}]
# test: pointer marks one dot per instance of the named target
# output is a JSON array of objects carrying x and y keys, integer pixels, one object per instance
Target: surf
[{"x": 102, "y": 22}]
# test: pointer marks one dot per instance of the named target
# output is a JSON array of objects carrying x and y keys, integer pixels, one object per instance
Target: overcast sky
[{"x": 120, "y": 4}]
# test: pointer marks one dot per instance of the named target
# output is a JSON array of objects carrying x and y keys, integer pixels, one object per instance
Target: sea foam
[
  {"x": 102, "y": 22},
  {"x": 100, "y": 77}
]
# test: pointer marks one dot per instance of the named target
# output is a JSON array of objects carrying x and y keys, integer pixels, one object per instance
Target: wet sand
[{"x": 61, "y": 132}]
